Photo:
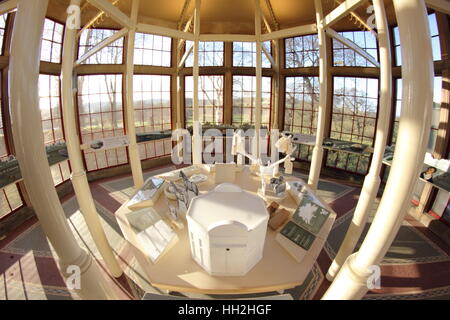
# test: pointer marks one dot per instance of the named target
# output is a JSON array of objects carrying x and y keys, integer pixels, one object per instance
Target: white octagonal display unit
[{"x": 227, "y": 229}]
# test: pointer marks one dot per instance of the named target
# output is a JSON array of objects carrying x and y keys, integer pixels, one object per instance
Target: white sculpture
[{"x": 284, "y": 145}]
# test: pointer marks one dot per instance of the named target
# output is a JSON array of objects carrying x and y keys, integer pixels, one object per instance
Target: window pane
[
  {"x": 244, "y": 54},
  {"x": 52, "y": 41},
  {"x": 3, "y": 18},
  {"x": 102, "y": 117},
  {"x": 344, "y": 56},
  {"x": 353, "y": 119},
  {"x": 112, "y": 54},
  {"x": 10, "y": 198},
  {"x": 152, "y": 50},
  {"x": 210, "y": 54},
  {"x": 51, "y": 116},
  {"x": 302, "y": 51},
  {"x": 244, "y": 96},
  {"x": 152, "y": 108},
  {"x": 210, "y": 99}
]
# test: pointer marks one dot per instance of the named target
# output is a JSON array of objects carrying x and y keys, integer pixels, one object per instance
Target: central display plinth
[
  {"x": 178, "y": 271},
  {"x": 227, "y": 228}
]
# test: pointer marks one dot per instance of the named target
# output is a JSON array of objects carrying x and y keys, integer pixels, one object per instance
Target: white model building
[{"x": 227, "y": 228}]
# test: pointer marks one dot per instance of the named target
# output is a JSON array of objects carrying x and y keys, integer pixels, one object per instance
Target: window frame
[
  {"x": 253, "y": 107},
  {"x": 79, "y": 46},
  {"x": 356, "y": 172},
  {"x": 368, "y": 63},
  {"x": 286, "y": 52},
  {"x": 8, "y": 153},
  {"x": 152, "y": 50},
  {"x": 51, "y": 119},
  {"x": 5, "y": 32},
  {"x": 80, "y": 136},
  {"x": 223, "y": 96},
  {"x": 253, "y": 53},
  {"x": 315, "y": 114},
  {"x": 204, "y": 51},
  {"x": 143, "y": 146},
  {"x": 55, "y": 21}
]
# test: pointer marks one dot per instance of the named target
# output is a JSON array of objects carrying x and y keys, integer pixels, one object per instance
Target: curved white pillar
[
  {"x": 415, "y": 120},
  {"x": 30, "y": 150},
  {"x": 79, "y": 180},
  {"x": 258, "y": 87},
  {"x": 317, "y": 155},
  {"x": 197, "y": 134},
  {"x": 372, "y": 180},
  {"x": 133, "y": 149}
]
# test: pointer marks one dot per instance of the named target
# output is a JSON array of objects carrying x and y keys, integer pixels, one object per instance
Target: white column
[
  {"x": 197, "y": 134},
  {"x": 372, "y": 180},
  {"x": 30, "y": 150},
  {"x": 179, "y": 138},
  {"x": 179, "y": 125},
  {"x": 415, "y": 120},
  {"x": 79, "y": 180},
  {"x": 274, "y": 131},
  {"x": 316, "y": 161},
  {"x": 258, "y": 108},
  {"x": 133, "y": 149}
]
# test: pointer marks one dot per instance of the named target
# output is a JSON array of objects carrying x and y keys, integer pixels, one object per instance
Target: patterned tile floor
[{"x": 417, "y": 265}]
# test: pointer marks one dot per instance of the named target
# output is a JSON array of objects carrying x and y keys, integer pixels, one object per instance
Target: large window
[
  {"x": 301, "y": 109},
  {"x": 10, "y": 198},
  {"x": 100, "y": 115},
  {"x": 52, "y": 41},
  {"x": 354, "y": 116},
  {"x": 435, "y": 115},
  {"x": 345, "y": 57},
  {"x": 435, "y": 42},
  {"x": 244, "y": 100},
  {"x": 302, "y": 51},
  {"x": 3, "y": 19},
  {"x": 244, "y": 54},
  {"x": 50, "y": 105},
  {"x": 152, "y": 112},
  {"x": 112, "y": 54},
  {"x": 210, "y": 99},
  {"x": 210, "y": 54},
  {"x": 152, "y": 50}
]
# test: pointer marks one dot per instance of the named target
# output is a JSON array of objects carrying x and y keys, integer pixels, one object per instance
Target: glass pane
[
  {"x": 112, "y": 54},
  {"x": 103, "y": 116},
  {"x": 51, "y": 41},
  {"x": 354, "y": 116},
  {"x": 344, "y": 56}
]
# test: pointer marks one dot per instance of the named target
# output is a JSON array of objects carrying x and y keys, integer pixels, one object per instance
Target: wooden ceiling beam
[
  {"x": 115, "y": 13},
  {"x": 7, "y": 6},
  {"x": 341, "y": 11}
]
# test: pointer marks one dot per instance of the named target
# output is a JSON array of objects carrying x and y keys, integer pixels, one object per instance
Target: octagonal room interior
[{"x": 239, "y": 149}]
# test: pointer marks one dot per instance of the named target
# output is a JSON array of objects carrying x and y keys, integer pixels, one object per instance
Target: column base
[
  {"x": 350, "y": 283},
  {"x": 91, "y": 284}
]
